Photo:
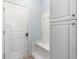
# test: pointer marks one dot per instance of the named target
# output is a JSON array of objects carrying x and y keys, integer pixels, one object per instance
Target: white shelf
[{"x": 43, "y": 45}]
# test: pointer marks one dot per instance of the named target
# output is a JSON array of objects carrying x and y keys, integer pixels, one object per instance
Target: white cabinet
[
  {"x": 63, "y": 40},
  {"x": 63, "y": 10}
]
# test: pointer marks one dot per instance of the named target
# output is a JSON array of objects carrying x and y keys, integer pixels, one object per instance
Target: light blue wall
[
  {"x": 35, "y": 21},
  {"x": 35, "y": 18},
  {"x": 45, "y": 5}
]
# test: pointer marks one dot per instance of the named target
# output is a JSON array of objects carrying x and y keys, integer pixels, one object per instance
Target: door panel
[
  {"x": 63, "y": 40},
  {"x": 15, "y": 29},
  {"x": 60, "y": 42},
  {"x": 45, "y": 27},
  {"x": 63, "y": 10}
]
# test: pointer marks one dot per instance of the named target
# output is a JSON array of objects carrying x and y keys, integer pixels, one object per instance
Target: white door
[
  {"x": 63, "y": 10},
  {"x": 63, "y": 40},
  {"x": 15, "y": 29}
]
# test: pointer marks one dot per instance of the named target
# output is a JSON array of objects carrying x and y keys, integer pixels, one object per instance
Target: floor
[{"x": 29, "y": 57}]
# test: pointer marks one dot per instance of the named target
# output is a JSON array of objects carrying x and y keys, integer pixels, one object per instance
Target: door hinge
[
  {"x": 3, "y": 32},
  {"x": 3, "y": 9},
  {"x": 3, "y": 55}
]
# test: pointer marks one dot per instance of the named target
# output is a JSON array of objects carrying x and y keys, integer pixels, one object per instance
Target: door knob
[
  {"x": 26, "y": 34},
  {"x": 73, "y": 15},
  {"x": 73, "y": 23}
]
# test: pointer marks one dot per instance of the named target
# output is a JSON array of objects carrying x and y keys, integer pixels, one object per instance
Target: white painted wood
[
  {"x": 63, "y": 40},
  {"x": 45, "y": 27},
  {"x": 3, "y": 36},
  {"x": 40, "y": 52},
  {"x": 60, "y": 42},
  {"x": 15, "y": 29},
  {"x": 43, "y": 45},
  {"x": 62, "y": 10},
  {"x": 36, "y": 55},
  {"x": 12, "y": 1}
]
